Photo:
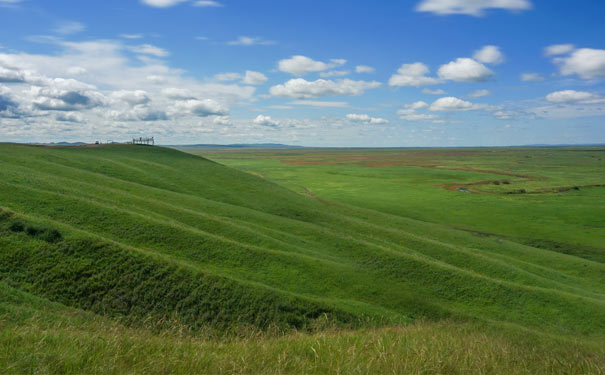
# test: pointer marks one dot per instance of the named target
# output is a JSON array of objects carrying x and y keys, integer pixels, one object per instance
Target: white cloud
[
  {"x": 178, "y": 94},
  {"x": 301, "y": 88},
  {"x": 587, "y": 63},
  {"x": 223, "y": 120},
  {"x": 479, "y": 93},
  {"x": 366, "y": 119},
  {"x": 364, "y": 69},
  {"x": 162, "y": 3},
  {"x": 464, "y": 70},
  {"x": 138, "y": 113},
  {"x": 335, "y": 73},
  {"x": 451, "y": 103},
  {"x": 412, "y": 75},
  {"x": 112, "y": 87},
  {"x": 299, "y": 65},
  {"x": 265, "y": 120},
  {"x": 489, "y": 55},
  {"x": 132, "y": 97},
  {"x": 417, "y": 105},
  {"x": 433, "y": 92},
  {"x": 254, "y": 78},
  {"x": 532, "y": 77},
  {"x": 70, "y": 27},
  {"x": 69, "y": 117},
  {"x": 475, "y": 8},
  {"x": 207, "y": 3},
  {"x": 558, "y": 49},
  {"x": 131, "y": 36},
  {"x": 202, "y": 108},
  {"x": 320, "y": 104},
  {"x": 148, "y": 49},
  {"x": 569, "y": 96},
  {"x": 250, "y": 41}
]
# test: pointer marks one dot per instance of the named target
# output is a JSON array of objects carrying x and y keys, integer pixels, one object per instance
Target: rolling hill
[{"x": 150, "y": 236}]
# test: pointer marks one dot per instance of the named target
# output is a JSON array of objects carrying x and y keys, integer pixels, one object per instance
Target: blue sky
[{"x": 314, "y": 73}]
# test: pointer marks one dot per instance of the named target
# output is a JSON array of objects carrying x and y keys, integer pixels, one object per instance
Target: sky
[{"x": 354, "y": 73}]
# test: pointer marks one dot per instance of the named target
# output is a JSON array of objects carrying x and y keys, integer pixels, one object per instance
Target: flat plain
[{"x": 131, "y": 259}]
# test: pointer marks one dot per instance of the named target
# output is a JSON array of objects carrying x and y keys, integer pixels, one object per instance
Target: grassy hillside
[{"x": 153, "y": 237}]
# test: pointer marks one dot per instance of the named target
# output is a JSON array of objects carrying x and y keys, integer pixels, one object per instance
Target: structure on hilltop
[{"x": 143, "y": 141}]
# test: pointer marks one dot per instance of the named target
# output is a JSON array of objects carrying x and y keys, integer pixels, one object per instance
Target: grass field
[
  {"x": 147, "y": 259},
  {"x": 548, "y": 197}
]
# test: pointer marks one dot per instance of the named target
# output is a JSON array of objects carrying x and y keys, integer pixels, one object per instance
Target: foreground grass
[{"x": 81, "y": 344}]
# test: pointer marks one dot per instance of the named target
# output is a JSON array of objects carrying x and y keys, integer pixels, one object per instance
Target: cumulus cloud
[
  {"x": 451, "y": 103},
  {"x": 111, "y": 87},
  {"x": 300, "y": 65},
  {"x": 464, "y": 69},
  {"x": 202, "y": 108},
  {"x": 364, "y": 69},
  {"x": 475, "y": 8},
  {"x": 132, "y": 97},
  {"x": 433, "y": 92},
  {"x": 417, "y": 105},
  {"x": 587, "y": 63},
  {"x": 366, "y": 119},
  {"x": 249, "y": 78},
  {"x": 410, "y": 112},
  {"x": 412, "y": 75},
  {"x": 250, "y": 41},
  {"x": 489, "y": 55},
  {"x": 55, "y": 98},
  {"x": 479, "y": 93},
  {"x": 69, "y": 117},
  {"x": 301, "y": 88},
  {"x": 138, "y": 113},
  {"x": 265, "y": 121},
  {"x": 8, "y": 75},
  {"x": 254, "y": 78},
  {"x": 558, "y": 49},
  {"x": 222, "y": 120},
  {"x": 532, "y": 77},
  {"x": 569, "y": 96}
]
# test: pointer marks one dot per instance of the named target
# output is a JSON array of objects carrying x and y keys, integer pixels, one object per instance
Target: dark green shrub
[
  {"x": 31, "y": 230},
  {"x": 17, "y": 226},
  {"x": 49, "y": 235}
]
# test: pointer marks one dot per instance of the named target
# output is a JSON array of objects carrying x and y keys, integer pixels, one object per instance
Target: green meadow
[{"x": 135, "y": 259}]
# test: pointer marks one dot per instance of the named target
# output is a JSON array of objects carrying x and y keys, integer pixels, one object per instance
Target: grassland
[
  {"x": 126, "y": 258},
  {"x": 547, "y": 197}
]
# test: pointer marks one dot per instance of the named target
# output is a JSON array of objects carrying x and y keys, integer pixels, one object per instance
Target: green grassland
[
  {"x": 547, "y": 197},
  {"x": 147, "y": 259}
]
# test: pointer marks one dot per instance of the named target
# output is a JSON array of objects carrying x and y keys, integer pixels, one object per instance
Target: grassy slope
[
  {"x": 156, "y": 235},
  {"x": 38, "y": 336}
]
